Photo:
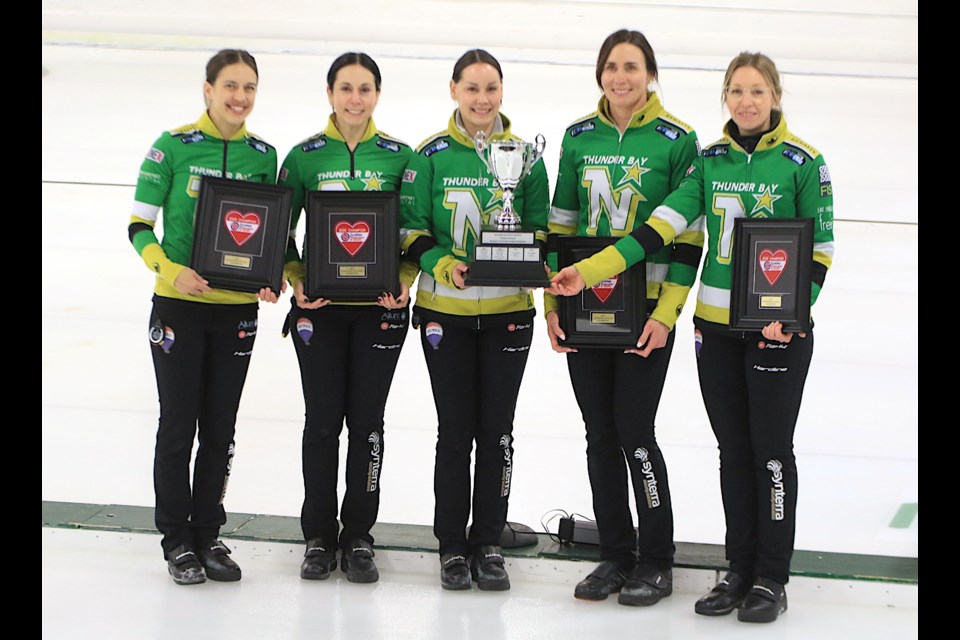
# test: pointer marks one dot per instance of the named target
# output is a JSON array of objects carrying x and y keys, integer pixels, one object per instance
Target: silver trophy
[
  {"x": 509, "y": 161},
  {"x": 508, "y": 254}
]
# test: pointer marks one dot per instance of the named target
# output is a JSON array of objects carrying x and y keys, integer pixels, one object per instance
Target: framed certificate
[
  {"x": 240, "y": 234},
  {"x": 352, "y": 245},
  {"x": 771, "y": 273},
  {"x": 612, "y": 313}
]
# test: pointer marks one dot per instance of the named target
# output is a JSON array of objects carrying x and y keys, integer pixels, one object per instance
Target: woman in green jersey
[
  {"x": 475, "y": 339},
  {"x": 201, "y": 338},
  {"x": 347, "y": 352},
  {"x": 616, "y": 166},
  {"x": 752, "y": 382}
]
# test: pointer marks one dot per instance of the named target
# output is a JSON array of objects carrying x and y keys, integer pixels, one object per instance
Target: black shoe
[
  {"x": 184, "y": 567},
  {"x": 318, "y": 561},
  {"x": 487, "y": 569},
  {"x": 725, "y": 597},
  {"x": 357, "y": 562},
  {"x": 454, "y": 572},
  {"x": 765, "y": 601},
  {"x": 647, "y": 585},
  {"x": 607, "y": 578},
  {"x": 215, "y": 558}
]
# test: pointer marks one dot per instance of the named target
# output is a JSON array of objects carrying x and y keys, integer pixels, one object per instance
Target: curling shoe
[{"x": 764, "y": 603}]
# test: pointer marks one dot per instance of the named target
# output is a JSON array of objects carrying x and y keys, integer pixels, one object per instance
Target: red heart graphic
[
  {"x": 772, "y": 263},
  {"x": 241, "y": 226},
  {"x": 605, "y": 289},
  {"x": 352, "y": 236}
]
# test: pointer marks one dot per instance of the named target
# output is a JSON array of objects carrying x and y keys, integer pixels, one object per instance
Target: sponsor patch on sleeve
[
  {"x": 409, "y": 175},
  {"x": 793, "y": 155},
  {"x": 312, "y": 145},
  {"x": 581, "y": 128},
  {"x": 157, "y": 156},
  {"x": 715, "y": 151},
  {"x": 824, "y": 174},
  {"x": 389, "y": 146},
  {"x": 284, "y": 172},
  {"x": 258, "y": 145},
  {"x": 440, "y": 145},
  {"x": 667, "y": 132}
]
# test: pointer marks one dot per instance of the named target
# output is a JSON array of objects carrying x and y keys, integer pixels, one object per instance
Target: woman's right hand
[
  {"x": 189, "y": 282},
  {"x": 568, "y": 282},
  {"x": 555, "y": 332},
  {"x": 302, "y": 300},
  {"x": 459, "y": 275}
]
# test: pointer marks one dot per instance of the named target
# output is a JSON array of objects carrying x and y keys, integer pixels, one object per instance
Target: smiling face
[
  {"x": 624, "y": 79},
  {"x": 750, "y": 100},
  {"x": 230, "y": 97},
  {"x": 478, "y": 94},
  {"x": 354, "y": 96}
]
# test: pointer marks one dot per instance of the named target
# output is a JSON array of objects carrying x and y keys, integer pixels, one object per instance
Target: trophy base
[
  {"x": 489, "y": 273},
  {"x": 507, "y": 258}
]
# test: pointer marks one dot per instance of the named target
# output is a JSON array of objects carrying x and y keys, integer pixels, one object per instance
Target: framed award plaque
[
  {"x": 240, "y": 234},
  {"x": 771, "y": 273},
  {"x": 352, "y": 245},
  {"x": 611, "y": 314}
]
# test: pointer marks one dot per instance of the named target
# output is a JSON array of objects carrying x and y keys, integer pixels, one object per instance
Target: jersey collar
[
  {"x": 769, "y": 140},
  {"x": 644, "y": 116},
  {"x": 206, "y": 126},
  {"x": 501, "y": 129},
  {"x": 331, "y": 130}
]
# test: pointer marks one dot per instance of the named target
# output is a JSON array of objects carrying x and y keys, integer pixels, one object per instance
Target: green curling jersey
[
  {"x": 609, "y": 183},
  {"x": 783, "y": 178},
  {"x": 324, "y": 162},
  {"x": 447, "y": 194},
  {"x": 170, "y": 180}
]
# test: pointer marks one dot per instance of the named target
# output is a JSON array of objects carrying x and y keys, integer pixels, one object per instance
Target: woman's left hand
[
  {"x": 774, "y": 331},
  {"x": 387, "y": 301},
  {"x": 654, "y": 336},
  {"x": 267, "y": 295}
]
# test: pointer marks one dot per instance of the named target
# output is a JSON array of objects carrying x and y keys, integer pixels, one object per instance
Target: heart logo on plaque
[
  {"x": 604, "y": 290},
  {"x": 352, "y": 237},
  {"x": 772, "y": 264},
  {"x": 241, "y": 226}
]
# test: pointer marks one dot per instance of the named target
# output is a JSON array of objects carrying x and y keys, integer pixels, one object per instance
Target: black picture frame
[
  {"x": 772, "y": 264},
  {"x": 240, "y": 232},
  {"x": 352, "y": 245},
  {"x": 611, "y": 319}
]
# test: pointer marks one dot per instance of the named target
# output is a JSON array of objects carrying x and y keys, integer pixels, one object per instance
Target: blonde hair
[{"x": 762, "y": 63}]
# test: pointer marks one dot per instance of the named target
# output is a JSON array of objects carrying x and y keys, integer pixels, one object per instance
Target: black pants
[
  {"x": 752, "y": 390},
  {"x": 200, "y": 355},
  {"x": 476, "y": 364},
  {"x": 347, "y": 357},
  {"x": 618, "y": 394}
]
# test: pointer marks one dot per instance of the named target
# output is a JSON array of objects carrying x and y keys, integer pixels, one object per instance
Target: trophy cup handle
[
  {"x": 541, "y": 145},
  {"x": 480, "y": 144}
]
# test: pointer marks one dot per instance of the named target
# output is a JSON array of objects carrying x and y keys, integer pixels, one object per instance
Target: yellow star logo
[
  {"x": 632, "y": 172},
  {"x": 373, "y": 183},
  {"x": 765, "y": 200},
  {"x": 496, "y": 195}
]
